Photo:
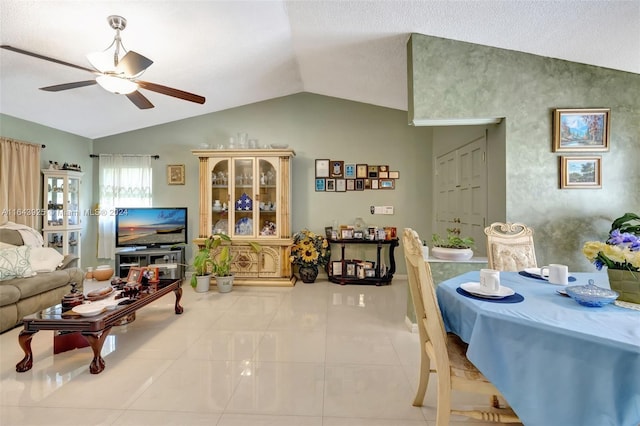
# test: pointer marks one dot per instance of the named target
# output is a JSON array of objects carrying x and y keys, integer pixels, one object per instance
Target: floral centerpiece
[
  {"x": 309, "y": 251},
  {"x": 621, "y": 255}
]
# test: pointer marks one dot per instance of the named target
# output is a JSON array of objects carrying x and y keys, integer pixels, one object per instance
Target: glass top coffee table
[{"x": 94, "y": 328}]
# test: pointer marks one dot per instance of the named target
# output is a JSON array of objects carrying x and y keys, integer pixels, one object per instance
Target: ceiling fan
[{"x": 117, "y": 71}]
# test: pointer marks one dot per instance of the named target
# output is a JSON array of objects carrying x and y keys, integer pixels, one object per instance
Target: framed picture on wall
[
  {"x": 361, "y": 171},
  {"x": 351, "y": 185},
  {"x": 341, "y": 185},
  {"x": 350, "y": 171},
  {"x": 331, "y": 185},
  {"x": 320, "y": 185},
  {"x": 322, "y": 168},
  {"x": 581, "y": 129},
  {"x": 175, "y": 174},
  {"x": 580, "y": 172},
  {"x": 337, "y": 169}
]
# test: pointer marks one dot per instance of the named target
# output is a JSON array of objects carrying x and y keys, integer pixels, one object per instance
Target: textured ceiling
[{"x": 239, "y": 52}]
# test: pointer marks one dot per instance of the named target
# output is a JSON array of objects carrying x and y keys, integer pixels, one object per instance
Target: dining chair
[
  {"x": 510, "y": 246},
  {"x": 446, "y": 352}
]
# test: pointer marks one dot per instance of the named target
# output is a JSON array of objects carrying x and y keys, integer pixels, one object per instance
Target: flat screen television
[{"x": 151, "y": 226}]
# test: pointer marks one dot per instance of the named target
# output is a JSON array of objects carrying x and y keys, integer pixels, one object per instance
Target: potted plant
[
  {"x": 204, "y": 265},
  {"x": 453, "y": 247},
  {"x": 309, "y": 251},
  {"x": 621, "y": 255}
]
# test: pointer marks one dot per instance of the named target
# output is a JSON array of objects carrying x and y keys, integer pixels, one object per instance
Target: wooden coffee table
[{"x": 96, "y": 328}]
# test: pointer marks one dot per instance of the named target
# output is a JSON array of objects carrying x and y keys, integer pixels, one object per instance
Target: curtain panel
[
  {"x": 19, "y": 182},
  {"x": 124, "y": 181}
]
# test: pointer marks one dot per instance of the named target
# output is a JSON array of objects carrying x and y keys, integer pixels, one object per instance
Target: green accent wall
[
  {"x": 61, "y": 147},
  {"x": 452, "y": 79}
]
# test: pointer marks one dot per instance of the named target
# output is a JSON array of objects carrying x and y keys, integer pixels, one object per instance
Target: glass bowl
[{"x": 591, "y": 295}]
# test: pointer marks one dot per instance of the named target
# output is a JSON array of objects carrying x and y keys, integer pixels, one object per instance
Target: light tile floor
[{"x": 312, "y": 355}]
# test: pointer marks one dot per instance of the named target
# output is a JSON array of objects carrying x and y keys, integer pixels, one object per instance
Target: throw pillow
[
  {"x": 14, "y": 263},
  {"x": 45, "y": 259},
  {"x": 512, "y": 257}
]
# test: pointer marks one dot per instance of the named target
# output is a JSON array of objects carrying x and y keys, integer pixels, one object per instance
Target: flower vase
[
  {"x": 626, "y": 283},
  {"x": 308, "y": 274}
]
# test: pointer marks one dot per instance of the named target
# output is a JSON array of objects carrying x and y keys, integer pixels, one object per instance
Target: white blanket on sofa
[{"x": 30, "y": 236}]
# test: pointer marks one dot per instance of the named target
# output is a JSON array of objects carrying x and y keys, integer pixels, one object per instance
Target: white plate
[
  {"x": 536, "y": 272},
  {"x": 475, "y": 289},
  {"x": 88, "y": 309}
]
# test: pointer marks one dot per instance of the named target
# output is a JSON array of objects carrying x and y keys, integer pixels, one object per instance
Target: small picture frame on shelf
[
  {"x": 175, "y": 174},
  {"x": 135, "y": 275},
  {"x": 151, "y": 274},
  {"x": 328, "y": 232},
  {"x": 336, "y": 268},
  {"x": 322, "y": 168},
  {"x": 357, "y": 235},
  {"x": 369, "y": 273},
  {"x": 350, "y": 270},
  {"x": 346, "y": 233}
]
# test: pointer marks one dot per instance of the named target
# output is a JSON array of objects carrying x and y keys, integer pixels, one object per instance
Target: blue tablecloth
[{"x": 555, "y": 361}]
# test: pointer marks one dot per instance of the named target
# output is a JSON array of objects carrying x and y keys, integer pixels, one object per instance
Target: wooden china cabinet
[{"x": 246, "y": 193}]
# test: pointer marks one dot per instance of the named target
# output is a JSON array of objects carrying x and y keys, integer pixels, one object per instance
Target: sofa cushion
[
  {"x": 8, "y": 294},
  {"x": 43, "y": 282},
  {"x": 14, "y": 262},
  {"x": 6, "y": 246},
  {"x": 11, "y": 236},
  {"x": 45, "y": 259}
]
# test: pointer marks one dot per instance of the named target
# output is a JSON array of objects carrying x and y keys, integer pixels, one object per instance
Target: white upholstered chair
[
  {"x": 443, "y": 351},
  {"x": 510, "y": 246}
]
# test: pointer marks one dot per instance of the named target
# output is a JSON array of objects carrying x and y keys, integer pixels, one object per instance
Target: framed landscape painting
[
  {"x": 580, "y": 172},
  {"x": 581, "y": 130}
]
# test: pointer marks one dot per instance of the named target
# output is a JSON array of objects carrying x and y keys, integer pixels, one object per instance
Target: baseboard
[{"x": 413, "y": 327}]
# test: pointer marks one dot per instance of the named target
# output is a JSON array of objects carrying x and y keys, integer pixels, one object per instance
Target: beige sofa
[{"x": 23, "y": 296}]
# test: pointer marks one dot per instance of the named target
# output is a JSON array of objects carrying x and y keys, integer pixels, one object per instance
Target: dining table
[{"x": 556, "y": 362}]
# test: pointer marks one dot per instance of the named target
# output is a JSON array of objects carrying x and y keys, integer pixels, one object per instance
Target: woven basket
[{"x": 626, "y": 283}]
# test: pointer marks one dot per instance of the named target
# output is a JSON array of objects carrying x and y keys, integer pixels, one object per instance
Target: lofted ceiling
[{"x": 240, "y": 52}]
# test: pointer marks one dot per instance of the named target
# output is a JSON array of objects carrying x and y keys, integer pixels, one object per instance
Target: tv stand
[{"x": 169, "y": 261}]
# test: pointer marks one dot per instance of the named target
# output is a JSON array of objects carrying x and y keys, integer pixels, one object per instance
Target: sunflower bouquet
[{"x": 309, "y": 249}]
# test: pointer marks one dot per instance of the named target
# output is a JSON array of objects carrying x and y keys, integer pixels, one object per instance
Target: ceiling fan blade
[
  {"x": 191, "y": 97},
  {"x": 139, "y": 100},
  {"x": 66, "y": 86},
  {"x": 133, "y": 64},
  {"x": 46, "y": 58}
]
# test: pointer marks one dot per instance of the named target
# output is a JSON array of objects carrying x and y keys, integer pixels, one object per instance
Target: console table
[{"x": 379, "y": 277}]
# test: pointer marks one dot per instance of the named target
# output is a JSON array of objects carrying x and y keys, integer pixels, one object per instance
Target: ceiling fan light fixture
[{"x": 120, "y": 86}]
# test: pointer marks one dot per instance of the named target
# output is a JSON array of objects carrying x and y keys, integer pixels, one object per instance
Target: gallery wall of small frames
[{"x": 338, "y": 176}]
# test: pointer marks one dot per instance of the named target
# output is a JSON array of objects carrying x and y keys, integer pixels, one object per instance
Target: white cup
[
  {"x": 558, "y": 274},
  {"x": 490, "y": 281}
]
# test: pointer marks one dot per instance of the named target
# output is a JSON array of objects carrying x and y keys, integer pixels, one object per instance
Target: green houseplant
[
  {"x": 205, "y": 265},
  {"x": 453, "y": 246}
]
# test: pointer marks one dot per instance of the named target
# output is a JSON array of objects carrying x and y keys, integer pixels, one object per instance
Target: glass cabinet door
[
  {"x": 268, "y": 198},
  {"x": 220, "y": 181},
  {"x": 55, "y": 201},
  {"x": 242, "y": 197},
  {"x": 72, "y": 214}
]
